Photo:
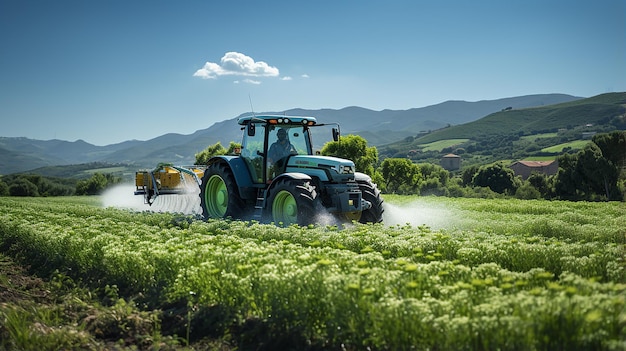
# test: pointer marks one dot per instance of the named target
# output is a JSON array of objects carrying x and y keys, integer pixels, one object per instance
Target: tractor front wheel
[
  {"x": 292, "y": 201},
  {"x": 219, "y": 196}
]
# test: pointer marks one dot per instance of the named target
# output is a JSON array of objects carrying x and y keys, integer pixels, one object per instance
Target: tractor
[{"x": 276, "y": 177}]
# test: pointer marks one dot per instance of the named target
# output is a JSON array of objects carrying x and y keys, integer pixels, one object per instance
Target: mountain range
[{"x": 377, "y": 127}]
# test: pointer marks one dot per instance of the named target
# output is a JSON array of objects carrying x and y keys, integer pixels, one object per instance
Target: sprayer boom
[{"x": 167, "y": 179}]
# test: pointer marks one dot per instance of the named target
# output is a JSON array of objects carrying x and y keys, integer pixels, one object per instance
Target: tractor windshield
[
  {"x": 284, "y": 141},
  {"x": 287, "y": 140}
]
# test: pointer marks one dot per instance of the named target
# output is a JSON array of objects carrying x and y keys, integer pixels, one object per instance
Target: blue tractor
[{"x": 278, "y": 178}]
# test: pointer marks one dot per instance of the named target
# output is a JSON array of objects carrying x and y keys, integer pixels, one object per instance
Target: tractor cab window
[
  {"x": 283, "y": 142},
  {"x": 252, "y": 153}
]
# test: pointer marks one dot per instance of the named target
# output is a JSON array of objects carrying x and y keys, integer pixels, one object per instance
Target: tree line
[
  {"x": 595, "y": 173},
  {"x": 35, "y": 185}
]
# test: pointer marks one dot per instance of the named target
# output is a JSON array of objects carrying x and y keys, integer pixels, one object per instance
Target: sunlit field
[{"x": 439, "y": 273}]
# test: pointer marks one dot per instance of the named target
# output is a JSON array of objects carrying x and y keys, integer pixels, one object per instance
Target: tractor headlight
[{"x": 345, "y": 169}]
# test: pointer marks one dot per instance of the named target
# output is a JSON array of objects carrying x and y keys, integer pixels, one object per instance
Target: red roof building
[{"x": 525, "y": 168}]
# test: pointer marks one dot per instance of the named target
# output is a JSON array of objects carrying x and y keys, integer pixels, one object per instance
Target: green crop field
[
  {"x": 490, "y": 275},
  {"x": 574, "y": 145},
  {"x": 538, "y": 136},
  {"x": 442, "y": 144}
]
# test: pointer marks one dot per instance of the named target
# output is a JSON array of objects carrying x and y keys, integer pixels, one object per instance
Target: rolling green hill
[
  {"x": 518, "y": 133},
  {"x": 599, "y": 110}
]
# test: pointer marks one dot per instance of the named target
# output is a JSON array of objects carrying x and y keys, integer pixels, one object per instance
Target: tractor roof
[{"x": 277, "y": 119}]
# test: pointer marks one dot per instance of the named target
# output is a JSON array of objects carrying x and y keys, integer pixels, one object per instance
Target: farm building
[
  {"x": 525, "y": 168},
  {"x": 451, "y": 162}
]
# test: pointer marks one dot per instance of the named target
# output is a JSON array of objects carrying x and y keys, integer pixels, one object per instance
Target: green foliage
[
  {"x": 527, "y": 192},
  {"x": 37, "y": 185},
  {"x": 467, "y": 175},
  {"x": 505, "y": 274},
  {"x": 401, "y": 176},
  {"x": 590, "y": 174},
  {"x": 23, "y": 187},
  {"x": 203, "y": 157},
  {"x": 82, "y": 170},
  {"x": 96, "y": 184},
  {"x": 434, "y": 179},
  {"x": 353, "y": 147},
  {"x": 613, "y": 147},
  {"x": 540, "y": 182},
  {"x": 4, "y": 188},
  {"x": 497, "y": 177}
]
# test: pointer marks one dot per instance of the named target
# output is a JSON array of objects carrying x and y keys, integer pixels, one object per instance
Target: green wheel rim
[
  {"x": 285, "y": 208},
  {"x": 216, "y": 197}
]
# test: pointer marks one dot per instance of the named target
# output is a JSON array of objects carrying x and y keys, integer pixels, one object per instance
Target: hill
[
  {"x": 378, "y": 127},
  {"x": 598, "y": 110},
  {"x": 518, "y": 133}
]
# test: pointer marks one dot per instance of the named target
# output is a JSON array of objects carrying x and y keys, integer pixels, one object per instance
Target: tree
[
  {"x": 401, "y": 176},
  {"x": 434, "y": 178},
  {"x": 353, "y": 147},
  {"x": 4, "y": 188},
  {"x": 567, "y": 180},
  {"x": 23, "y": 187},
  {"x": 92, "y": 186},
  {"x": 203, "y": 157},
  {"x": 233, "y": 148},
  {"x": 540, "y": 182},
  {"x": 613, "y": 146},
  {"x": 467, "y": 175},
  {"x": 599, "y": 174},
  {"x": 497, "y": 177},
  {"x": 527, "y": 192},
  {"x": 587, "y": 175}
]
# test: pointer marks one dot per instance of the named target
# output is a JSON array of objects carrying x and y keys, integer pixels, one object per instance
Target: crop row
[{"x": 477, "y": 287}]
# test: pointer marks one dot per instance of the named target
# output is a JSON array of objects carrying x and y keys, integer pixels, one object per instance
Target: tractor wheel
[
  {"x": 292, "y": 201},
  {"x": 219, "y": 196},
  {"x": 370, "y": 193}
]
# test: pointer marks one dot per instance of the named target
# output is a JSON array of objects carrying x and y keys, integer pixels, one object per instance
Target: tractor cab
[{"x": 270, "y": 140}]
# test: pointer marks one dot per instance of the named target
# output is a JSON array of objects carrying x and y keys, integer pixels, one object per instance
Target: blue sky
[{"x": 110, "y": 71}]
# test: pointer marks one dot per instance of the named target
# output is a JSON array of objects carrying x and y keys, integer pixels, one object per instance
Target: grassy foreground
[{"x": 502, "y": 274}]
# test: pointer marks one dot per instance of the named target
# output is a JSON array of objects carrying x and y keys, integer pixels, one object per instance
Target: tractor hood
[{"x": 327, "y": 168}]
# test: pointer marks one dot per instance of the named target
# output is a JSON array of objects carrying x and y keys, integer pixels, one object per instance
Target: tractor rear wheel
[
  {"x": 292, "y": 201},
  {"x": 219, "y": 196},
  {"x": 370, "y": 193}
]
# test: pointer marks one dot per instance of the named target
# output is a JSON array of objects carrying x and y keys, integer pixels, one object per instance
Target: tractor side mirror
[
  {"x": 251, "y": 129},
  {"x": 335, "y": 134}
]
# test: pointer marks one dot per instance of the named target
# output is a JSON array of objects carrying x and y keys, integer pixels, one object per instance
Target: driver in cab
[{"x": 281, "y": 148}]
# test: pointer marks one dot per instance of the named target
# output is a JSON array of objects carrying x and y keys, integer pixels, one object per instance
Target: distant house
[
  {"x": 451, "y": 162},
  {"x": 525, "y": 168}
]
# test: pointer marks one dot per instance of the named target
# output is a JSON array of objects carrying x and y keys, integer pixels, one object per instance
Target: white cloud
[
  {"x": 247, "y": 80},
  {"x": 305, "y": 76},
  {"x": 236, "y": 64},
  {"x": 251, "y": 81},
  {"x": 286, "y": 78}
]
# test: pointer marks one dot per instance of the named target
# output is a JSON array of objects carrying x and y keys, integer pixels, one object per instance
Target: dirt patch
[{"x": 17, "y": 286}]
